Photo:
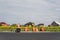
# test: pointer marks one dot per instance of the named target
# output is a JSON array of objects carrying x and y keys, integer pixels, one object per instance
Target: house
[
  {"x": 3, "y": 24},
  {"x": 55, "y": 23}
]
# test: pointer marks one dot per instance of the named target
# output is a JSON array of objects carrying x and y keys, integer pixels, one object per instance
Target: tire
[{"x": 18, "y": 30}]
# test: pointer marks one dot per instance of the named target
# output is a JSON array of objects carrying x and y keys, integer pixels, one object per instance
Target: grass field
[{"x": 12, "y": 29}]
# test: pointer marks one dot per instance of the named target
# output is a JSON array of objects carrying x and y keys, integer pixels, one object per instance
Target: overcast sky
[{"x": 23, "y": 11}]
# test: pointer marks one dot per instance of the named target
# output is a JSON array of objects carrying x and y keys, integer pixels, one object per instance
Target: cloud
[{"x": 22, "y": 11}]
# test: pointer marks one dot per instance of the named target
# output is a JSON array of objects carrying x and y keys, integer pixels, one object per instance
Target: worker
[
  {"x": 26, "y": 28},
  {"x": 33, "y": 27},
  {"x": 42, "y": 28},
  {"x": 36, "y": 29},
  {"x": 18, "y": 28}
]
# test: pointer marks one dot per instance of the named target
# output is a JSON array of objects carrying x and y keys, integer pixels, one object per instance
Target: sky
[{"x": 23, "y": 11}]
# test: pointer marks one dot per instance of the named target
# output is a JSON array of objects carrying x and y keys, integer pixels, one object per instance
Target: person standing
[
  {"x": 33, "y": 27},
  {"x": 36, "y": 29},
  {"x": 42, "y": 28},
  {"x": 26, "y": 28}
]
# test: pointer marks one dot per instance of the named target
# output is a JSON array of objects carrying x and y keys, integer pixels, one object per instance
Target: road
[{"x": 30, "y": 36}]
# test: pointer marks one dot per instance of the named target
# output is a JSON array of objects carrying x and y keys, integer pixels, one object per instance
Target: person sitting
[{"x": 18, "y": 28}]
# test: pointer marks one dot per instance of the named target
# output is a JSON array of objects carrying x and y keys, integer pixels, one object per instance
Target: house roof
[
  {"x": 57, "y": 22},
  {"x": 3, "y": 23}
]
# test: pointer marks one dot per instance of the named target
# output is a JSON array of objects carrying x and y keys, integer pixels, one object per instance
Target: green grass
[{"x": 12, "y": 29}]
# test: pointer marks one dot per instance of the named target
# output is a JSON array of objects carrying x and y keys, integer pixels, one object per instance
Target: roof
[
  {"x": 3, "y": 23},
  {"x": 57, "y": 22}
]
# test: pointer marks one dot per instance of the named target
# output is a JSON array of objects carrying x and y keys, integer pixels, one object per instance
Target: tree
[
  {"x": 13, "y": 25},
  {"x": 29, "y": 23}
]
